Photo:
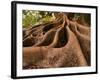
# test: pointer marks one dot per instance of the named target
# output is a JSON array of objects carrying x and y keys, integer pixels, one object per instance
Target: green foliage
[{"x": 31, "y": 18}]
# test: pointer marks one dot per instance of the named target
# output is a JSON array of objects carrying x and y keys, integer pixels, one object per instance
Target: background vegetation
[{"x": 32, "y": 17}]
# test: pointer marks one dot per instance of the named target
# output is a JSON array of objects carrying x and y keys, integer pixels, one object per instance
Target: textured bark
[{"x": 61, "y": 43}]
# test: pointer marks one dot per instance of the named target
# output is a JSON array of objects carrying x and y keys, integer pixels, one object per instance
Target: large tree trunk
[{"x": 60, "y": 43}]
